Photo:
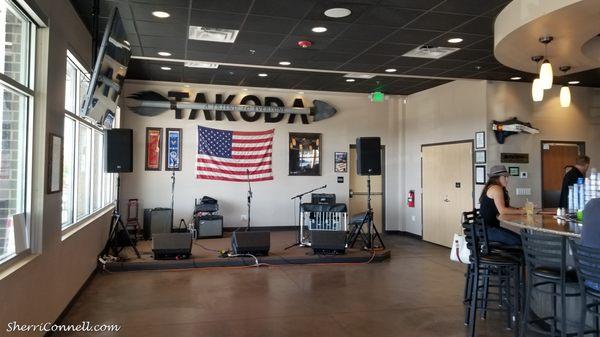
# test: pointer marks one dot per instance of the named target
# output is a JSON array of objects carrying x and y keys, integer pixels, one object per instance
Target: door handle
[
  {"x": 351, "y": 193},
  {"x": 446, "y": 199}
]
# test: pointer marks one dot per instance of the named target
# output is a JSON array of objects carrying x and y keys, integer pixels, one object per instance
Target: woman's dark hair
[{"x": 491, "y": 182}]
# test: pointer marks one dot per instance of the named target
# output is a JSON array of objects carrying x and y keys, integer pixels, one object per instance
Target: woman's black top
[{"x": 488, "y": 209}]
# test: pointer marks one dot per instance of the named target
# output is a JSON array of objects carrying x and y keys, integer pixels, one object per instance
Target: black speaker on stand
[
  {"x": 118, "y": 157},
  {"x": 368, "y": 163}
]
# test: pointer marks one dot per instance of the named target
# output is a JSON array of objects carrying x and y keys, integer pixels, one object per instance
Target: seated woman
[{"x": 494, "y": 200}]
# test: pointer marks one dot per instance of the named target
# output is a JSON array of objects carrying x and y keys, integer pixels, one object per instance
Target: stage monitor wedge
[
  {"x": 368, "y": 156},
  {"x": 255, "y": 243},
  {"x": 118, "y": 150}
]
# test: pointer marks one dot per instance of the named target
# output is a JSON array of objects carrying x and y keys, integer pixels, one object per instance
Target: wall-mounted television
[{"x": 100, "y": 101}]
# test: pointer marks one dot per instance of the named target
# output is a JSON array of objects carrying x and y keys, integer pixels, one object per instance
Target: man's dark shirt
[{"x": 569, "y": 179}]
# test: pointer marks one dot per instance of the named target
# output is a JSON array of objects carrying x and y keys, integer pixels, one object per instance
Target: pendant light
[
  {"x": 537, "y": 91},
  {"x": 546, "y": 74},
  {"x": 565, "y": 92}
]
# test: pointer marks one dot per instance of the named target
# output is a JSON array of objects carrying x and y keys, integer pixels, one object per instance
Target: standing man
[{"x": 578, "y": 171}]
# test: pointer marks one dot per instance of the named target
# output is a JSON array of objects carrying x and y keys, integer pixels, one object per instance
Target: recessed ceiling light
[
  {"x": 263, "y": 75},
  {"x": 574, "y": 82},
  {"x": 301, "y": 92},
  {"x": 455, "y": 40},
  {"x": 337, "y": 12},
  {"x": 127, "y": 42},
  {"x": 350, "y": 80},
  {"x": 164, "y": 53},
  {"x": 165, "y": 68},
  {"x": 515, "y": 78},
  {"x": 319, "y": 29},
  {"x": 187, "y": 85},
  {"x": 391, "y": 70},
  {"x": 160, "y": 14},
  {"x": 245, "y": 89},
  {"x": 285, "y": 63}
]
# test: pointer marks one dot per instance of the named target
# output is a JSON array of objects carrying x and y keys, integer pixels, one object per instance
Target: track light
[{"x": 537, "y": 91}]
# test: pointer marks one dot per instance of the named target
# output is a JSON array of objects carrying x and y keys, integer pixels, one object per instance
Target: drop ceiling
[{"x": 372, "y": 39}]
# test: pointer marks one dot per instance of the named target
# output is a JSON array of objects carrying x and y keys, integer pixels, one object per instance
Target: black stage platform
[{"x": 205, "y": 257}]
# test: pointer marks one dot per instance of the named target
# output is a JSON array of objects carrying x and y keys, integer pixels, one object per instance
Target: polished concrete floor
[{"x": 416, "y": 293}]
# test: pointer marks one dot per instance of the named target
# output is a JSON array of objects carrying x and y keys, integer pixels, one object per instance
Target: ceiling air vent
[
  {"x": 359, "y": 75},
  {"x": 430, "y": 52},
  {"x": 198, "y": 64},
  {"x": 212, "y": 34}
]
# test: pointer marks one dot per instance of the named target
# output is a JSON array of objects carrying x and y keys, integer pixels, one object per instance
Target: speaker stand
[
  {"x": 116, "y": 225},
  {"x": 372, "y": 232}
]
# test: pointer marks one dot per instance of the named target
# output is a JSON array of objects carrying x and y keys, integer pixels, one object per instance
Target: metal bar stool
[
  {"x": 587, "y": 262},
  {"x": 546, "y": 265},
  {"x": 489, "y": 270}
]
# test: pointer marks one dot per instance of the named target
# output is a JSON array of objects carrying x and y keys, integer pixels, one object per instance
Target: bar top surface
[{"x": 544, "y": 223}]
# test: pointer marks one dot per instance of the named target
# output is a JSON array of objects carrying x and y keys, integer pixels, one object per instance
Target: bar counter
[{"x": 545, "y": 222}]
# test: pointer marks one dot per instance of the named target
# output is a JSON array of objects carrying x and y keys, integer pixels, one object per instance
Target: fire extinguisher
[{"x": 411, "y": 198}]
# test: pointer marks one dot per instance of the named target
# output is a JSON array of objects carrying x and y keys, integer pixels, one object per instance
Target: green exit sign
[{"x": 377, "y": 96}]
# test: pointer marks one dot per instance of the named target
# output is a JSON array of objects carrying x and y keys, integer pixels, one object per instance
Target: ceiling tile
[
  {"x": 215, "y": 19},
  {"x": 393, "y": 49},
  {"x": 471, "y": 7},
  {"x": 366, "y": 32},
  {"x": 372, "y": 59},
  {"x": 468, "y": 39},
  {"x": 144, "y": 12},
  {"x": 444, "y": 64},
  {"x": 403, "y": 61},
  {"x": 412, "y": 4},
  {"x": 175, "y": 53},
  {"x": 412, "y": 36},
  {"x": 236, "y": 6},
  {"x": 208, "y": 47},
  {"x": 162, "y": 42},
  {"x": 439, "y": 21},
  {"x": 360, "y": 67},
  {"x": 269, "y": 24},
  {"x": 278, "y": 8},
  {"x": 161, "y": 29},
  {"x": 389, "y": 16},
  {"x": 468, "y": 54},
  {"x": 259, "y": 39},
  {"x": 481, "y": 25},
  {"x": 349, "y": 46},
  {"x": 426, "y": 71}
]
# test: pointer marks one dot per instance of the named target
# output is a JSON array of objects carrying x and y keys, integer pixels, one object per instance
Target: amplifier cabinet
[
  {"x": 156, "y": 220},
  {"x": 209, "y": 226}
]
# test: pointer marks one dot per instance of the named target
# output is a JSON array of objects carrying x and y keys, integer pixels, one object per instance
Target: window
[
  {"x": 86, "y": 187},
  {"x": 17, "y": 32}
]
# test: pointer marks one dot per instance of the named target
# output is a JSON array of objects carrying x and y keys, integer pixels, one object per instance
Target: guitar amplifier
[
  {"x": 172, "y": 245},
  {"x": 209, "y": 226},
  {"x": 156, "y": 220},
  {"x": 328, "y": 242}
]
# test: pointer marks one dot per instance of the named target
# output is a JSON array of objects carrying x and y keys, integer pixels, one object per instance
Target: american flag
[{"x": 232, "y": 155}]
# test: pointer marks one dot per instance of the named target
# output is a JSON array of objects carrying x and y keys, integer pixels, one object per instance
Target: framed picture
[
  {"x": 480, "y": 157},
  {"x": 173, "y": 149},
  {"x": 305, "y": 154},
  {"x": 514, "y": 171},
  {"x": 341, "y": 161},
  {"x": 480, "y": 175},
  {"x": 55, "y": 164},
  {"x": 153, "y": 151},
  {"x": 480, "y": 140}
]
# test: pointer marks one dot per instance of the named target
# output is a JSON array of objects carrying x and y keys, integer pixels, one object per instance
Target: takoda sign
[{"x": 251, "y": 108}]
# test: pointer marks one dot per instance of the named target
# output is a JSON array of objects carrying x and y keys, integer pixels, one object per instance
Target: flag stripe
[{"x": 234, "y": 155}]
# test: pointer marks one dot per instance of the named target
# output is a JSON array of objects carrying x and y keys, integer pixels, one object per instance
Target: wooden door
[
  {"x": 447, "y": 173},
  {"x": 556, "y": 156},
  {"x": 358, "y": 192}
]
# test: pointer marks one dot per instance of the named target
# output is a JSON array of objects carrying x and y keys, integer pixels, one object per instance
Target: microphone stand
[
  {"x": 249, "y": 198},
  {"x": 299, "y": 197},
  {"x": 172, "y": 198}
]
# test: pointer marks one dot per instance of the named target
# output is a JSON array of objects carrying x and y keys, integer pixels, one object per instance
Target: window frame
[
  {"x": 27, "y": 91},
  {"x": 79, "y": 221}
]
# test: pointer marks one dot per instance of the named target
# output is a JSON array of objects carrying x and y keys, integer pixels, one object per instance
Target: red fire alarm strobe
[{"x": 304, "y": 43}]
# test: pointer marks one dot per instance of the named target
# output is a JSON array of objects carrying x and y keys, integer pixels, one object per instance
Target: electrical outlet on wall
[
  {"x": 523, "y": 175},
  {"x": 523, "y": 191}
]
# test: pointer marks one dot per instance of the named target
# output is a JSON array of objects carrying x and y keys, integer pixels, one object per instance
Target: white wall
[
  {"x": 447, "y": 113},
  {"x": 39, "y": 290},
  {"x": 271, "y": 205}
]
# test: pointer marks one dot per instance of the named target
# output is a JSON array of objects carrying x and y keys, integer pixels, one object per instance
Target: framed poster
[
  {"x": 341, "y": 161},
  {"x": 480, "y": 140},
  {"x": 480, "y": 175},
  {"x": 514, "y": 171},
  {"x": 153, "y": 153},
  {"x": 55, "y": 164},
  {"x": 305, "y": 154},
  {"x": 173, "y": 149},
  {"x": 480, "y": 157}
]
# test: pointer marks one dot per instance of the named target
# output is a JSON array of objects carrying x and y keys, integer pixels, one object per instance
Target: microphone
[{"x": 324, "y": 186}]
